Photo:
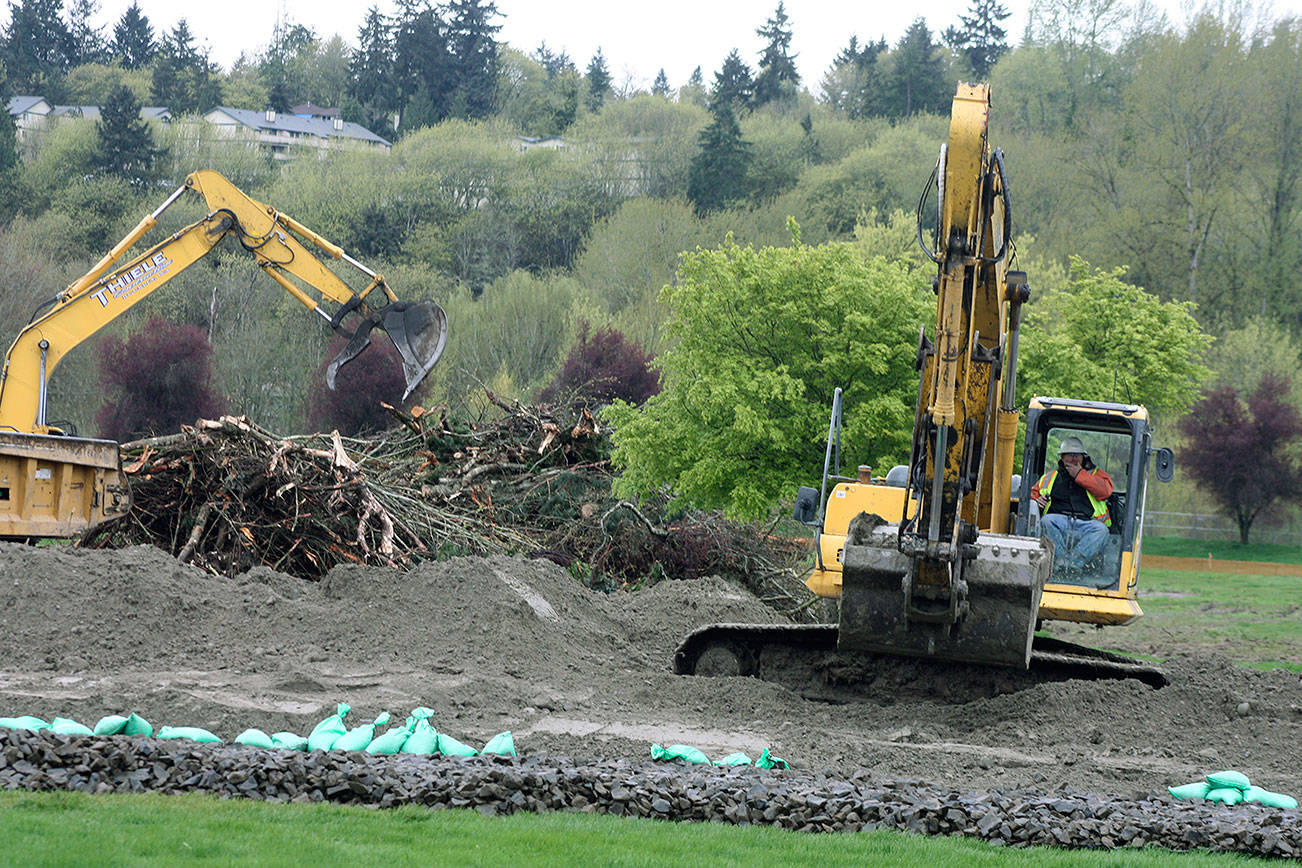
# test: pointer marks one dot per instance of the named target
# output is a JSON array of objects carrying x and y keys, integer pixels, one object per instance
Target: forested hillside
[{"x": 1168, "y": 150}]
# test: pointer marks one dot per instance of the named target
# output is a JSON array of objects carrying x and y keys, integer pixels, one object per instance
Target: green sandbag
[
  {"x": 64, "y": 726},
  {"x": 328, "y": 731},
  {"x": 137, "y": 725},
  {"x": 110, "y": 725},
  {"x": 360, "y": 737},
  {"x": 1272, "y": 800},
  {"x": 35, "y": 724},
  {"x": 678, "y": 751},
  {"x": 502, "y": 744},
  {"x": 734, "y": 759},
  {"x": 254, "y": 738},
  {"x": 768, "y": 761},
  {"x": 449, "y": 746},
  {"x": 1225, "y": 795},
  {"x": 288, "y": 741},
  {"x": 390, "y": 742},
  {"x": 1196, "y": 790},
  {"x": 192, "y": 733},
  {"x": 423, "y": 741},
  {"x": 1238, "y": 780}
]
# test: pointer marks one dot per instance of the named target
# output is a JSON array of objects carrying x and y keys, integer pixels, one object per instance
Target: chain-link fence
[{"x": 1192, "y": 525}]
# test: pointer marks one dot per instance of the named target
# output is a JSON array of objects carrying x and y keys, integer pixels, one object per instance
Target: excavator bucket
[
  {"x": 1004, "y": 584},
  {"x": 419, "y": 331}
]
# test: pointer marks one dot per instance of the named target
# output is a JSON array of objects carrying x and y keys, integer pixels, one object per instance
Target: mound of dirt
[{"x": 504, "y": 643}]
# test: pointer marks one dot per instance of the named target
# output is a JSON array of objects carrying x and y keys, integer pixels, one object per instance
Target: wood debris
[{"x": 227, "y": 495}]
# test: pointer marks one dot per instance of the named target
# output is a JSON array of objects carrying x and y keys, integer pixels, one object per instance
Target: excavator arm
[
  {"x": 946, "y": 581},
  {"x": 418, "y": 330}
]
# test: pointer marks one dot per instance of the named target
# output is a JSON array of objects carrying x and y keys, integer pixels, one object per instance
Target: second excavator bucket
[
  {"x": 419, "y": 331},
  {"x": 1004, "y": 584}
]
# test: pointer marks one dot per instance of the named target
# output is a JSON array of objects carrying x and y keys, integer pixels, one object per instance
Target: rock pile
[{"x": 799, "y": 800}]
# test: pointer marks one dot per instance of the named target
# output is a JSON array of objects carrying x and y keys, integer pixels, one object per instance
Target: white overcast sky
[{"x": 637, "y": 40}]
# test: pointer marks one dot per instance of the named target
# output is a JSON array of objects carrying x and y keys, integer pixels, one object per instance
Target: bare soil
[{"x": 499, "y": 643}]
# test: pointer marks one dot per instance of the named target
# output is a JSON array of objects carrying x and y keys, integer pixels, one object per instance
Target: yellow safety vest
[{"x": 1100, "y": 508}]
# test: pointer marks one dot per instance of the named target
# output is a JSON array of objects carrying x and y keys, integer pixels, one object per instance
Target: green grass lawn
[
  {"x": 1178, "y": 547},
  {"x": 74, "y": 829},
  {"x": 1251, "y": 619}
]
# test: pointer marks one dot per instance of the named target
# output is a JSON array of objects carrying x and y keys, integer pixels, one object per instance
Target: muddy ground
[{"x": 496, "y": 644}]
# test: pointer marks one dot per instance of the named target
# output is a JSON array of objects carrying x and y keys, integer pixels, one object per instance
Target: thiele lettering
[{"x": 126, "y": 284}]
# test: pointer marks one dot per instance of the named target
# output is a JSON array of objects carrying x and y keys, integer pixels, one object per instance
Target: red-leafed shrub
[
  {"x": 156, "y": 380},
  {"x": 354, "y": 406},
  {"x": 603, "y": 366},
  {"x": 1239, "y": 450}
]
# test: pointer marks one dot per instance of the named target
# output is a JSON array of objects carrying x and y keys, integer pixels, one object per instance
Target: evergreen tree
[
  {"x": 777, "y": 78},
  {"x": 854, "y": 82},
  {"x": 37, "y": 47},
  {"x": 717, "y": 176},
  {"x": 133, "y": 39},
  {"x": 184, "y": 80},
  {"x": 660, "y": 87},
  {"x": 276, "y": 68},
  {"x": 598, "y": 81},
  {"x": 982, "y": 40},
  {"x": 86, "y": 42},
  {"x": 552, "y": 62},
  {"x": 371, "y": 85},
  {"x": 733, "y": 84},
  {"x": 917, "y": 80},
  {"x": 124, "y": 145},
  {"x": 693, "y": 93},
  {"x": 475, "y": 56},
  {"x": 423, "y": 65},
  {"x": 9, "y": 196}
]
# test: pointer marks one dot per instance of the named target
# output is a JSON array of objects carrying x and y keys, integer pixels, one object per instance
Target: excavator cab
[{"x": 1099, "y": 588}]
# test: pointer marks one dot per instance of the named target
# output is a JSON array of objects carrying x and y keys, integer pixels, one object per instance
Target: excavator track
[{"x": 805, "y": 657}]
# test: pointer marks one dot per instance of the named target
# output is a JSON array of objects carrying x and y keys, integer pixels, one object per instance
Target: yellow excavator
[
  {"x": 53, "y": 485},
  {"x": 943, "y": 557}
]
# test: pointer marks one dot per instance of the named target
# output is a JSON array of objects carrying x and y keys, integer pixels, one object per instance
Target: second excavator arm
[{"x": 418, "y": 330}]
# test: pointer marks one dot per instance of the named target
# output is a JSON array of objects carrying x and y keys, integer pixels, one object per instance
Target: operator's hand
[{"x": 1040, "y": 499}]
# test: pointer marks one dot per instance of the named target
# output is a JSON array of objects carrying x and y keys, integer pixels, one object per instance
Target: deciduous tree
[
  {"x": 1239, "y": 449},
  {"x": 761, "y": 338},
  {"x": 603, "y": 366},
  {"x": 156, "y": 380},
  {"x": 1100, "y": 338},
  {"x": 353, "y": 406}
]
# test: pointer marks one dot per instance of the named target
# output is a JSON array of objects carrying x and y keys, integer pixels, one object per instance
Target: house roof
[
  {"x": 305, "y": 126},
  {"x": 20, "y": 104},
  {"x": 310, "y": 110},
  {"x": 76, "y": 111}
]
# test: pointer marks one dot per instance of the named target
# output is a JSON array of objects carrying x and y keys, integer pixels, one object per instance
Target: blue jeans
[{"x": 1075, "y": 540}]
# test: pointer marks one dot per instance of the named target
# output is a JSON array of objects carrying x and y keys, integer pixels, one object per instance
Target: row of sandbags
[
  {"x": 415, "y": 736},
  {"x": 1232, "y": 788}
]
